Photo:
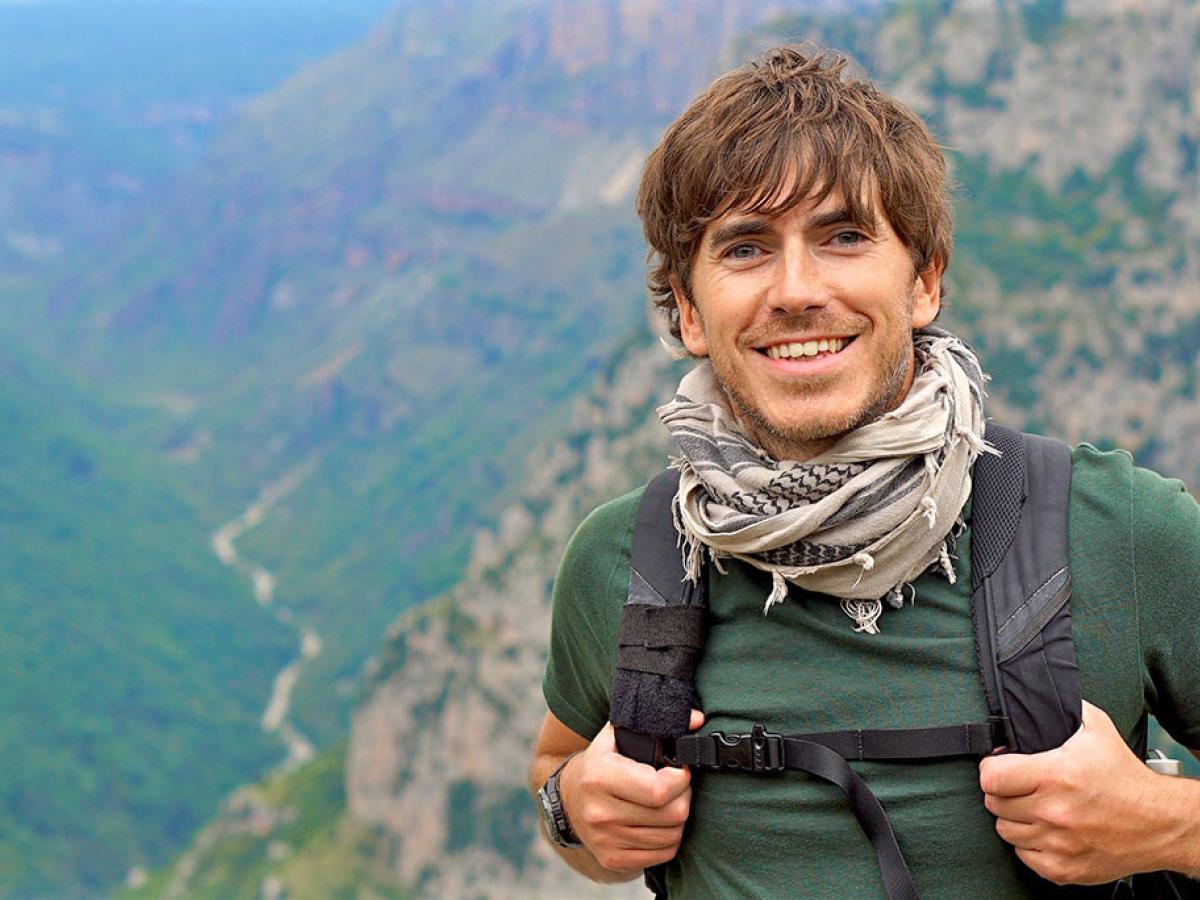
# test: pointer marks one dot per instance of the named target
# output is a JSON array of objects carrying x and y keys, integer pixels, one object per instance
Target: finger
[
  {"x": 672, "y": 784},
  {"x": 1011, "y": 774},
  {"x": 646, "y": 838},
  {"x": 637, "y": 783},
  {"x": 635, "y": 815},
  {"x": 1021, "y": 835},
  {"x": 633, "y": 860},
  {"x": 1016, "y": 809},
  {"x": 1038, "y": 860},
  {"x": 644, "y": 785},
  {"x": 696, "y": 721},
  {"x": 1094, "y": 718}
]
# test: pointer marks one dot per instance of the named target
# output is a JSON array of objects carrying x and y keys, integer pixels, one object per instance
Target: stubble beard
[{"x": 806, "y": 439}]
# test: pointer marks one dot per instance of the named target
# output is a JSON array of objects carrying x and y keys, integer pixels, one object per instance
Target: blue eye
[
  {"x": 742, "y": 251},
  {"x": 848, "y": 238}
]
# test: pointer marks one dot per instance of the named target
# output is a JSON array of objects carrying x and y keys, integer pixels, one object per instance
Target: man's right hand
[{"x": 628, "y": 814}]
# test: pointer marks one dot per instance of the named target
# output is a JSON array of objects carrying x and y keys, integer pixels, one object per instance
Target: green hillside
[
  {"x": 102, "y": 101},
  {"x": 136, "y": 666},
  {"x": 292, "y": 833}
]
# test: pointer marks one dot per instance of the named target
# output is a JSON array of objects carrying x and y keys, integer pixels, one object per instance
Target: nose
[{"x": 799, "y": 285}]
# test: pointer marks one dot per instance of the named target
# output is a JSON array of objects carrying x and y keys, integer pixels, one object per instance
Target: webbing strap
[
  {"x": 825, "y": 764},
  {"x": 763, "y": 751}
]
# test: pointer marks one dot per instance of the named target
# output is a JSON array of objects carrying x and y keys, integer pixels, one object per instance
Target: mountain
[
  {"x": 1073, "y": 131},
  {"x": 323, "y": 327},
  {"x": 382, "y": 285},
  {"x": 356, "y": 331}
]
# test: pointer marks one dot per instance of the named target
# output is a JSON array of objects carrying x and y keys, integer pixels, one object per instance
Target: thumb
[
  {"x": 606, "y": 739},
  {"x": 696, "y": 721},
  {"x": 1095, "y": 718},
  {"x": 675, "y": 780},
  {"x": 1012, "y": 774}
]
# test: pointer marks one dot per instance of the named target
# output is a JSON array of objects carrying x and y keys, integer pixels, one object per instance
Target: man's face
[{"x": 807, "y": 318}]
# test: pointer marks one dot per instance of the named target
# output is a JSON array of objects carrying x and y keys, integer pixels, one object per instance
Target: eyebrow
[
  {"x": 753, "y": 226},
  {"x": 740, "y": 228},
  {"x": 839, "y": 216}
]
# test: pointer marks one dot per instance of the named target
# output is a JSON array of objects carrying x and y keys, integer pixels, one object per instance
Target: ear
[
  {"x": 927, "y": 294},
  {"x": 691, "y": 326}
]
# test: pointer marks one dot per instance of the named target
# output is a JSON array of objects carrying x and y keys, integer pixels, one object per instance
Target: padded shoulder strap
[
  {"x": 1021, "y": 587},
  {"x": 661, "y": 634}
]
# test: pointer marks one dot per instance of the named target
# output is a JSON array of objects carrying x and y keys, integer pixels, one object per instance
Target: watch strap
[{"x": 558, "y": 827}]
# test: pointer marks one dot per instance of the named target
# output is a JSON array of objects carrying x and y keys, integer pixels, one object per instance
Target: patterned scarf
[{"x": 861, "y": 520}]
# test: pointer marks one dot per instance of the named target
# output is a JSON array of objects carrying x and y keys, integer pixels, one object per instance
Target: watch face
[{"x": 548, "y": 814}]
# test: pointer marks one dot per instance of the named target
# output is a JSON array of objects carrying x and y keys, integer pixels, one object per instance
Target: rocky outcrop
[{"x": 439, "y": 749}]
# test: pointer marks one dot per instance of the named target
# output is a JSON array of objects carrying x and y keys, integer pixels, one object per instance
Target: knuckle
[
  {"x": 677, "y": 812},
  {"x": 1058, "y": 815},
  {"x": 587, "y": 779},
  {"x": 665, "y": 855},
  {"x": 658, "y": 795},
  {"x": 1058, "y": 871},
  {"x": 593, "y": 814}
]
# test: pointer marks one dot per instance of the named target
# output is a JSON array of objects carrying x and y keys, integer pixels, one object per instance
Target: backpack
[{"x": 1020, "y": 614}]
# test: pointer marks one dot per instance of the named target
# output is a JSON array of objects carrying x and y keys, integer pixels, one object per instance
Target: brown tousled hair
[{"x": 789, "y": 126}]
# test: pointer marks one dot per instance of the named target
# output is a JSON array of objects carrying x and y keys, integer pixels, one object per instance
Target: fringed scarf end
[
  {"x": 779, "y": 591},
  {"x": 865, "y": 614}
]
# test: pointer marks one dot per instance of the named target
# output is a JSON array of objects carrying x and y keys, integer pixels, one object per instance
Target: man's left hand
[{"x": 1087, "y": 812}]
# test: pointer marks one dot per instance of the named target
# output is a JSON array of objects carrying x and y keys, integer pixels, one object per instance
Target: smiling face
[{"x": 807, "y": 317}]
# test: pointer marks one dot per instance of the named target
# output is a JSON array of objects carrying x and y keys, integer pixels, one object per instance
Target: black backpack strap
[
  {"x": 1021, "y": 588},
  {"x": 661, "y": 634}
]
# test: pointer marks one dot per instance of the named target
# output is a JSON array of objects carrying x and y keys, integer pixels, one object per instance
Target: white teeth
[{"x": 798, "y": 349}]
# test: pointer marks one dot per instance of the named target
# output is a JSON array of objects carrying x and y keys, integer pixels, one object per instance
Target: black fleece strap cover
[{"x": 662, "y": 627}]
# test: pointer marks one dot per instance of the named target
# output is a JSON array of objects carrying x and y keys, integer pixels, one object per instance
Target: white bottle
[{"x": 1163, "y": 764}]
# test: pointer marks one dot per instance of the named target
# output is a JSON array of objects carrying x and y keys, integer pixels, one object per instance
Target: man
[{"x": 800, "y": 231}]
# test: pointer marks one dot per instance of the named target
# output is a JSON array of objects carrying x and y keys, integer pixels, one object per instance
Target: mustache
[{"x": 817, "y": 322}]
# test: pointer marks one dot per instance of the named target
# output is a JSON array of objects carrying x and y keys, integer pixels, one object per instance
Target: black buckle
[{"x": 759, "y": 751}]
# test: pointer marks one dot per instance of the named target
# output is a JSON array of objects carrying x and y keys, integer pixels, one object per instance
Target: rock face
[{"x": 439, "y": 749}]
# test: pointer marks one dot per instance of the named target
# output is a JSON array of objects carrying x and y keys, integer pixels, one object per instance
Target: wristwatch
[{"x": 557, "y": 827}]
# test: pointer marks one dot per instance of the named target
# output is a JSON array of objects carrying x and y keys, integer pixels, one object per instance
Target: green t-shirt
[{"x": 1135, "y": 561}]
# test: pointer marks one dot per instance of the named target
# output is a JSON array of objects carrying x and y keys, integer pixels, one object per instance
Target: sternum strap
[{"x": 718, "y": 750}]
